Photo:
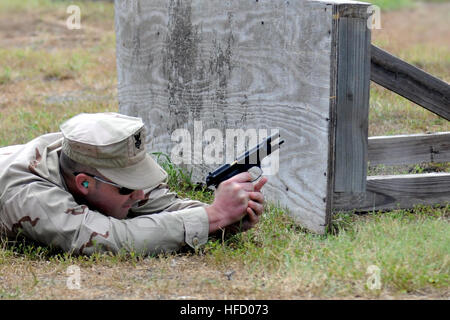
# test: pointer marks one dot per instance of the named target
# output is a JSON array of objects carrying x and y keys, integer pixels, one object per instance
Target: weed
[
  {"x": 177, "y": 177},
  {"x": 5, "y": 76}
]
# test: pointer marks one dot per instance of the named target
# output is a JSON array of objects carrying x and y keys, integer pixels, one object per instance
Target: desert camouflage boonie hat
[{"x": 114, "y": 144}]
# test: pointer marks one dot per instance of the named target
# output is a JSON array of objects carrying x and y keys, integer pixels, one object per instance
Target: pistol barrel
[{"x": 244, "y": 162}]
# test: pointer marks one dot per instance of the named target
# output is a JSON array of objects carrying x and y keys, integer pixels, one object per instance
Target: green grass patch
[
  {"x": 392, "y": 4},
  {"x": 26, "y": 5},
  {"x": 24, "y": 124},
  {"x": 391, "y": 114},
  {"x": 27, "y": 63},
  {"x": 5, "y": 75},
  {"x": 400, "y": 4},
  {"x": 411, "y": 249}
]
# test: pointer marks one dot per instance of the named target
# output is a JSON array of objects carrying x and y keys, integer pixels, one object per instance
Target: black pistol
[{"x": 244, "y": 162}]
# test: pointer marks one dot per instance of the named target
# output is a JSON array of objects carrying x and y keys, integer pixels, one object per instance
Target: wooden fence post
[{"x": 352, "y": 61}]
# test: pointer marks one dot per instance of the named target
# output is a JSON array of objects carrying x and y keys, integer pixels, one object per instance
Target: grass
[
  {"x": 400, "y": 4},
  {"x": 90, "y": 10},
  {"x": 391, "y": 115},
  {"x": 382, "y": 169},
  {"x": 278, "y": 259},
  {"x": 179, "y": 179},
  {"x": 425, "y": 45},
  {"x": 46, "y": 79},
  {"x": 392, "y": 4},
  {"x": 51, "y": 78}
]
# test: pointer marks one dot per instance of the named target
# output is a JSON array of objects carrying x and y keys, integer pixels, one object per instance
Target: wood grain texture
[
  {"x": 235, "y": 64},
  {"x": 398, "y": 192},
  {"x": 409, "y": 149},
  {"x": 410, "y": 82}
]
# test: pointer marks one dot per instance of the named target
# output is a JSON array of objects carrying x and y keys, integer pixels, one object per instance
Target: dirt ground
[
  {"x": 46, "y": 29},
  {"x": 428, "y": 24},
  {"x": 180, "y": 277}
]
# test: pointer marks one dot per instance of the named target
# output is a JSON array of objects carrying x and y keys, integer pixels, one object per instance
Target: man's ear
[{"x": 83, "y": 183}]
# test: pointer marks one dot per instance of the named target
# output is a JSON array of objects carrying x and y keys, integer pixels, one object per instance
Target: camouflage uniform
[{"x": 35, "y": 200}]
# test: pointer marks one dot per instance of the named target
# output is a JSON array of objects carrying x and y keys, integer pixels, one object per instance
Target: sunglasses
[{"x": 122, "y": 190}]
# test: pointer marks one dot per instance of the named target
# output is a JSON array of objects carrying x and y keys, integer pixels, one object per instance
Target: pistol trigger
[{"x": 255, "y": 172}]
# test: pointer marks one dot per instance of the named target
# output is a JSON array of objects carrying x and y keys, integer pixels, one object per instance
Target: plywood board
[{"x": 236, "y": 64}]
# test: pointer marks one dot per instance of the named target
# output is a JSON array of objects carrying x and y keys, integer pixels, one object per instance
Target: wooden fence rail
[
  {"x": 398, "y": 191},
  {"x": 409, "y": 149},
  {"x": 402, "y": 191},
  {"x": 410, "y": 82}
]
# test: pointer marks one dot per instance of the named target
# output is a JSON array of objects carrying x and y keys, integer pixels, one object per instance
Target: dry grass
[
  {"x": 275, "y": 261},
  {"x": 419, "y": 36},
  {"x": 49, "y": 73}
]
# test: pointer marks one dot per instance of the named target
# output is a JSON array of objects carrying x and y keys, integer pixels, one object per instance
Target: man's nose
[{"x": 138, "y": 195}]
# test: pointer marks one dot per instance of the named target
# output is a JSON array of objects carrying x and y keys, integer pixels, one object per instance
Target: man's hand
[
  {"x": 255, "y": 206},
  {"x": 235, "y": 198}
]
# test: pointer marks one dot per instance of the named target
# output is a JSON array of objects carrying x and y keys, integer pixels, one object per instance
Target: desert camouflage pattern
[{"x": 35, "y": 202}]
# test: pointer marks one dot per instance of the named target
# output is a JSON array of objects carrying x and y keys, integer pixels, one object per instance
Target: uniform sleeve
[
  {"x": 161, "y": 201},
  {"x": 48, "y": 214}
]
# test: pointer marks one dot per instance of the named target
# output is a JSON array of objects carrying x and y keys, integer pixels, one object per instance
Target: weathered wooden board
[
  {"x": 352, "y": 101},
  {"x": 398, "y": 192},
  {"x": 410, "y": 82},
  {"x": 409, "y": 149},
  {"x": 228, "y": 64}
]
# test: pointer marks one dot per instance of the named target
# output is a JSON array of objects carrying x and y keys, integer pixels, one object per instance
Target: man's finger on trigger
[
  {"x": 247, "y": 186},
  {"x": 261, "y": 182},
  {"x": 242, "y": 177}
]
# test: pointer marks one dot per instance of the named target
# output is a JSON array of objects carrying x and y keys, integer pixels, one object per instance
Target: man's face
[{"x": 106, "y": 199}]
